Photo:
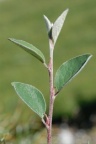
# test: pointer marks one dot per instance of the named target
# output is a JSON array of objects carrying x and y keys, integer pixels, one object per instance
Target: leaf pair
[{"x": 54, "y": 29}]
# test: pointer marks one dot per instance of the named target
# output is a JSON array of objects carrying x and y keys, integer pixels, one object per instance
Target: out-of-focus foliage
[{"x": 24, "y": 20}]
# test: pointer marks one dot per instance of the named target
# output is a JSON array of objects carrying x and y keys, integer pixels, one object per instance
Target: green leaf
[
  {"x": 30, "y": 49},
  {"x": 31, "y": 96},
  {"x": 48, "y": 24},
  {"x": 69, "y": 70},
  {"x": 57, "y": 26}
]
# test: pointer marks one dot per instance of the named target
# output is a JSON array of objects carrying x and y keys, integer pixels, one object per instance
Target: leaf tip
[
  {"x": 11, "y": 39},
  {"x": 64, "y": 14},
  {"x": 89, "y": 57},
  {"x": 13, "y": 83},
  {"x": 67, "y": 10},
  {"x": 44, "y": 16}
]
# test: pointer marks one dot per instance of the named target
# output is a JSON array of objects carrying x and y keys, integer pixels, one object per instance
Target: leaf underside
[
  {"x": 31, "y": 96},
  {"x": 48, "y": 24},
  {"x": 69, "y": 70},
  {"x": 58, "y": 24},
  {"x": 30, "y": 49}
]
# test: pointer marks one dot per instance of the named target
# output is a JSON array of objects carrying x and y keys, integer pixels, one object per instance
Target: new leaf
[
  {"x": 48, "y": 24},
  {"x": 31, "y": 96},
  {"x": 54, "y": 29},
  {"x": 30, "y": 49},
  {"x": 57, "y": 26},
  {"x": 69, "y": 70}
]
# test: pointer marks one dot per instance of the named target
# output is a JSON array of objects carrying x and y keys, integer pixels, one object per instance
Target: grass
[{"x": 24, "y": 20}]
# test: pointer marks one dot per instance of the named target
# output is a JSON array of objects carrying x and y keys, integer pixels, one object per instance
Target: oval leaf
[
  {"x": 31, "y": 96},
  {"x": 57, "y": 26},
  {"x": 69, "y": 70},
  {"x": 30, "y": 49}
]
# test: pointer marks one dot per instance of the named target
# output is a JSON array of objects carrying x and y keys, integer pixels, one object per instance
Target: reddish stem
[{"x": 52, "y": 93}]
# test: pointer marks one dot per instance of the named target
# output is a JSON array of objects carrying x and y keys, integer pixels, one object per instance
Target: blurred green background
[{"x": 23, "y": 19}]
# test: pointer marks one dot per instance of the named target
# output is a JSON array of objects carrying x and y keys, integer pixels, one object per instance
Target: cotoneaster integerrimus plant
[{"x": 65, "y": 73}]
